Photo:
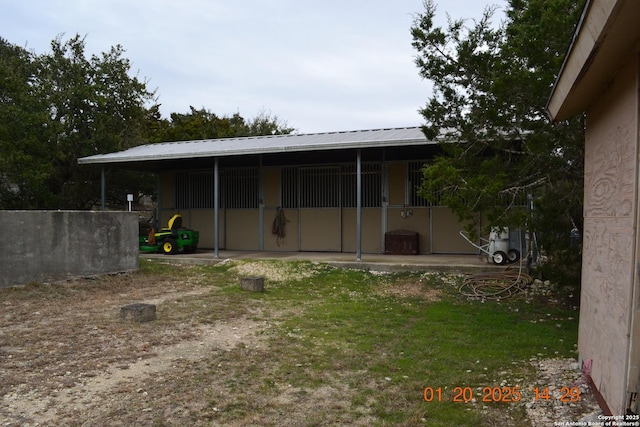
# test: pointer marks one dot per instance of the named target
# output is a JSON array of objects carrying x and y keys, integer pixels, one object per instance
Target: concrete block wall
[{"x": 44, "y": 246}]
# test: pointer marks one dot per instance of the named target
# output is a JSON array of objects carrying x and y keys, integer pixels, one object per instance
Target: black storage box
[{"x": 401, "y": 242}]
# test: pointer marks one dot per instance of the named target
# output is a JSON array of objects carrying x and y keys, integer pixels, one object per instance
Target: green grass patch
[
  {"x": 357, "y": 332},
  {"x": 322, "y": 346}
]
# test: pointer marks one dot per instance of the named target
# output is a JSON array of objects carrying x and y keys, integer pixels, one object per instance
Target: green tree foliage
[
  {"x": 203, "y": 124},
  {"x": 58, "y": 107},
  {"x": 499, "y": 151},
  {"x": 22, "y": 116},
  {"x": 266, "y": 123},
  {"x": 63, "y": 105}
]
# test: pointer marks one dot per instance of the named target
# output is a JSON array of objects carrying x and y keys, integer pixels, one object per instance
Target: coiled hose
[{"x": 498, "y": 285}]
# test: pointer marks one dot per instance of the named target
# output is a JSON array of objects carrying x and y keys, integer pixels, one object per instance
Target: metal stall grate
[
  {"x": 289, "y": 187},
  {"x": 194, "y": 189},
  {"x": 241, "y": 188},
  {"x": 371, "y": 185},
  {"x": 319, "y": 187},
  {"x": 415, "y": 177}
]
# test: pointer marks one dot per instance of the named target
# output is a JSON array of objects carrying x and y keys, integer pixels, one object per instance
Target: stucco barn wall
[
  {"x": 446, "y": 233},
  {"x": 242, "y": 229},
  {"x": 609, "y": 220},
  {"x": 290, "y": 240},
  {"x": 200, "y": 220},
  {"x": 418, "y": 222},
  {"x": 371, "y": 230},
  {"x": 167, "y": 187},
  {"x": 45, "y": 246},
  {"x": 271, "y": 180},
  {"x": 396, "y": 175},
  {"x": 320, "y": 229}
]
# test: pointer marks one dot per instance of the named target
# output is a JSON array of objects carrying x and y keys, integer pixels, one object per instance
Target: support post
[
  {"x": 261, "y": 204},
  {"x": 385, "y": 198},
  {"x": 158, "y": 216},
  {"x": 359, "y": 206},
  {"x": 216, "y": 208},
  {"x": 103, "y": 190}
]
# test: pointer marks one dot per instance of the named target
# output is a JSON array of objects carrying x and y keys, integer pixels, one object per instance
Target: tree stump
[
  {"x": 138, "y": 312},
  {"x": 255, "y": 284}
]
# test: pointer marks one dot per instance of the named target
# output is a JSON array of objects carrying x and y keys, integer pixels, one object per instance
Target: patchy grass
[
  {"x": 322, "y": 346},
  {"x": 387, "y": 340}
]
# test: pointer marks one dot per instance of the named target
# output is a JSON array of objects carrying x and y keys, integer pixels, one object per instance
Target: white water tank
[{"x": 499, "y": 245}]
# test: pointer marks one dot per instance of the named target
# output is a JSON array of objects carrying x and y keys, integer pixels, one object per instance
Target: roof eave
[
  {"x": 606, "y": 32},
  {"x": 111, "y": 159}
]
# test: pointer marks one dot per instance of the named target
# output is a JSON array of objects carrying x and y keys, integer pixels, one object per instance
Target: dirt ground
[{"x": 66, "y": 358}]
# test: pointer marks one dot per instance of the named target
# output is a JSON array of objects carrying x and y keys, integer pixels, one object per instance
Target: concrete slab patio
[{"x": 377, "y": 262}]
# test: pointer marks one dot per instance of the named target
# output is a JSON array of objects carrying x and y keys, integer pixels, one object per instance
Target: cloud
[{"x": 321, "y": 66}]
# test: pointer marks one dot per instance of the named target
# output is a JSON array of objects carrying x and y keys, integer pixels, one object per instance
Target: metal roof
[{"x": 226, "y": 147}]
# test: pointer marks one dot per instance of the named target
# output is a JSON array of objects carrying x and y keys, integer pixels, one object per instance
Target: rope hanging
[{"x": 278, "y": 227}]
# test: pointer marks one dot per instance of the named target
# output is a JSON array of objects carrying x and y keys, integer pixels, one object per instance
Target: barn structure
[
  {"x": 601, "y": 77},
  {"x": 338, "y": 191}
]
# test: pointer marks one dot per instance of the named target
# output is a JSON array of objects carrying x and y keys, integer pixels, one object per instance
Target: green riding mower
[{"x": 171, "y": 240}]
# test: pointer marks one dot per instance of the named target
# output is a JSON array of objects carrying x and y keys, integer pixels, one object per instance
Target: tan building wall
[
  {"x": 418, "y": 222},
  {"x": 396, "y": 175},
  {"x": 320, "y": 230},
  {"x": 201, "y": 220},
  {"x": 166, "y": 190},
  {"x": 610, "y": 211},
  {"x": 290, "y": 240},
  {"x": 271, "y": 177},
  {"x": 371, "y": 230},
  {"x": 446, "y": 233},
  {"x": 242, "y": 229}
]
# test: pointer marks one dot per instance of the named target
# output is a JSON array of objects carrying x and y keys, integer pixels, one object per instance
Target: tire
[
  {"x": 513, "y": 255},
  {"x": 499, "y": 258},
  {"x": 169, "y": 247}
]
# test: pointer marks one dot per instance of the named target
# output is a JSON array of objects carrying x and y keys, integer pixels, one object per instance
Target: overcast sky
[{"x": 321, "y": 66}]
